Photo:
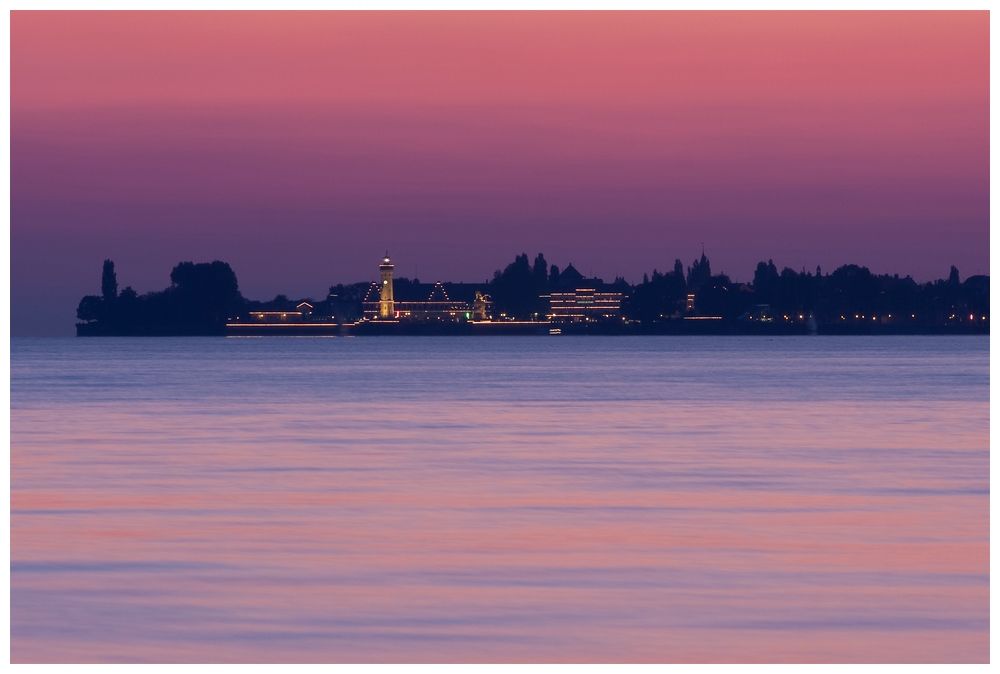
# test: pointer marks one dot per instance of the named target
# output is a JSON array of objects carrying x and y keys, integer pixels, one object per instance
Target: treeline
[
  {"x": 199, "y": 301},
  {"x": 202, "y": 297},
  {"x": 850, "y": 293}
]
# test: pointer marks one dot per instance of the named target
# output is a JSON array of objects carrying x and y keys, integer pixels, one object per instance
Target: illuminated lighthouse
[{"x": 385, "y": 306}]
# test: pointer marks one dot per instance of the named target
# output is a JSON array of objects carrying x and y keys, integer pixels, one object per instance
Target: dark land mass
[{"x": 204, "y": 298}]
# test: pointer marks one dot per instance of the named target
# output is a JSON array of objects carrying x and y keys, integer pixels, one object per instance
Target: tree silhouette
[
  {"x": 553, "y": 277},
  {"x": 517, "y": 289},
  {"x": 765, "y": 282},
  {"x": 109, "y": 282},
  {"x": 541, "y": 271},
  {"x": 658, "y": 298},
  {"x": 199, "y": 301}
]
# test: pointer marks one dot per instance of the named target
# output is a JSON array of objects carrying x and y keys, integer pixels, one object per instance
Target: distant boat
[{"x": 555, "y": 331}]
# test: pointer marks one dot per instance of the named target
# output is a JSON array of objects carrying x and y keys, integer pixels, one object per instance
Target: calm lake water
[{"x": 500, "y": 499}]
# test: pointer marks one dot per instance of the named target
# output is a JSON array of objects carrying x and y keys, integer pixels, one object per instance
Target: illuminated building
[
  {"x": 383, "y": 302},
  {"x": 437, "y": 307},
  {"x": 385, "y": 307},
  {"x": 758, "y": 312},
  {"x": 584, "y": 305},
  {"x": 275, "y": 316}
]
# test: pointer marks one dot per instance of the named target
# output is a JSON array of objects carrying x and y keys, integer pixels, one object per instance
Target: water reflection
[{"x": 526, "y": 500}]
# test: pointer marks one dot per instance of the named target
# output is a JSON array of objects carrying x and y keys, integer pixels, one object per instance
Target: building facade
[
  {"x": 381, "y": 302},
  {"x": 437, "y": 307},
  {"x": 386, "y": 308},
  {"x": 584, "y": 305}
]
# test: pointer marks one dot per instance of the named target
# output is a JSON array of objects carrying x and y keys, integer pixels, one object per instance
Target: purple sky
[{"x": 299, "y": 147}]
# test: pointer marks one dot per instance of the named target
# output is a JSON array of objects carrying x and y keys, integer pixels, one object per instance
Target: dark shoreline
[{"x": 671, "y": 328}]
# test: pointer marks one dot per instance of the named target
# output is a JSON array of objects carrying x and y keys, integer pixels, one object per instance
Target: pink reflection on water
[{"x": 638, "y": 531}]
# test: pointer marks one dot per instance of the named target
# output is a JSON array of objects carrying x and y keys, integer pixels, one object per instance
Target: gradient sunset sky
[{"x": 300, "y": 146}]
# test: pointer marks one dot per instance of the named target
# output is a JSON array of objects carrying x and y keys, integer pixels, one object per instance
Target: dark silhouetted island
[{"x": 536, "y": 298}]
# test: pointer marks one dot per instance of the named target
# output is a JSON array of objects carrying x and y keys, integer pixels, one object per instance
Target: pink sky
[{"x": 299, "y": 146}]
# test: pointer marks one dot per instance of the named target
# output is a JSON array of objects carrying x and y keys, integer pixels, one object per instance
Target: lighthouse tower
[{"x": 385, "y": 306}]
